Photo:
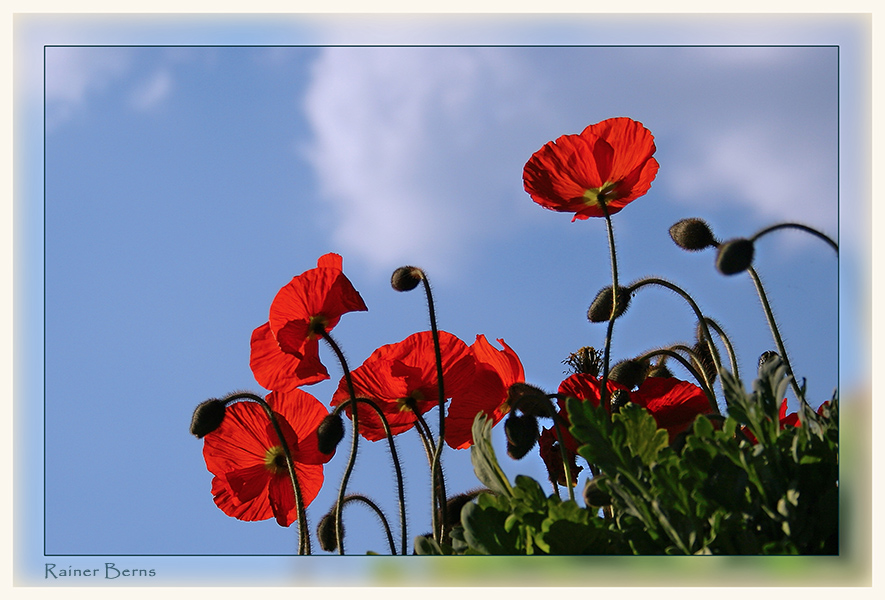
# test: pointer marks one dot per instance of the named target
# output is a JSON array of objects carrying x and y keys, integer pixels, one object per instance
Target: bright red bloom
[
  {"x": 285, "y": 350},
  {"x": 494, "y": 372},
  {"x": 609, "y": 161},
  {"x": 673, "y": 403},
  {"x": 584, "y": 387},
  {"x": 785, "y": 419},
  {"x": 401, "y": 378},
  {"x": 251, "y": 479}
]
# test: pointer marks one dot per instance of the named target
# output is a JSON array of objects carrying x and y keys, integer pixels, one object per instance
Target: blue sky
[{"x": 185, "y": 185}]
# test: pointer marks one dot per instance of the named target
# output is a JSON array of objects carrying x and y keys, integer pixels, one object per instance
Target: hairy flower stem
[
  {"x": 374, "y": 507},
  {"x": 801, "y": 227},
  {"x": 303, "y": 535},
  {"x": 604, "y": 399},
  {"x": 396, "y": 464},
  {"x": 702, "y": 321},
  {"x": 439, "y": 522},
  {"x": 438, "y": 483},
  {"x": 732, "y": 357},
  {"x": 339, "y": 530},
  {"x": 775, "y": 333},
  {"x": 698, "y": 375}
]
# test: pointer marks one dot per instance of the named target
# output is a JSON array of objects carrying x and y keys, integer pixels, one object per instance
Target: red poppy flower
[
  {"x": 285, "y": 350},
  {"x": 673, "y": 403},
  {"x": 401, "y": 378},
  {"x": 610, "y": 161},
  {"x": 251, "y": 479},
  {"x": 785, "y": 419},
  {"x": 584, "y": 387},
  {"x": 494, "y": 372}
]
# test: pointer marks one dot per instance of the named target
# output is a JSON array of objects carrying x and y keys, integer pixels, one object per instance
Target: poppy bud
[
  {"x": 767, "y": 356},
  {"x": 619, "y": 398},
  {"x": 629, "y": 373},
  {"x": 207, "y": 417},
  {"x": 659, "y": 370},
  {"x": 701, "y": 353},
  {"x": 692, "y": 234},
  {"x": 326, "y": 533},
  {"x": 593, "y": 496},
  {"x": 406, "y": 278},
  {"x": 522, "y": 434},
  {"x": 601, "y": 308},
  {"x": 456, "y": 503},
  {"x": 529, "y": 400},
  {"x": 734, "y": 256},
  {"x": 329, "y": 433}
]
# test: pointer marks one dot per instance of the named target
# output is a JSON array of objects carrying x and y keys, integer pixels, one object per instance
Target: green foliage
[{"x": 719, "y": 493}]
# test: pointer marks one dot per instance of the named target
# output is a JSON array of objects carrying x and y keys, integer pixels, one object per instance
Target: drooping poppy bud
[
  {"x": 593, "y": 496},
  {"x": 406, "y": 278},
  {"x": 207, "y": 417},
  {"x": 692, "y": 234},
  {"x": 529, "y": 400},
  {"x": 522, "y": 434},
  {"x": 767, "y": 356},
  {"x": 659, "y": 370},
  {"x": 629, "y": 373},
  {"x": 326, "y": 533},
  {"x": 456, "y": 503},
  {"x": 330, "y": 432},
  {"x": 734, "y": 256},
  {"x": 601, "y": 308},
  {"x": 701, "y": 353}
]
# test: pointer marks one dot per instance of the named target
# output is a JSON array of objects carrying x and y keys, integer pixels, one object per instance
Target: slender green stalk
[
  {"x": 339, "y": 506},
  {"x": 396, "y": 463},
  {"x": 438, "y": 483},
  {"x": 775, "y": 333},
  {"x": 374, "y": 507},
  {"x": 303, "y": 535},
  {"x": 439, "y": 522},
  {"x": 732, "y": 357},
  {"x": 603, "y": 388},
  {"x": 699, "y": 377},
  {"x": 702, "y": 321},
  {"x": 801, "y": 227}
]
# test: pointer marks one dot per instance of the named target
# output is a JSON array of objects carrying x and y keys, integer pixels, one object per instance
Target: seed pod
[
  {"x": 619, "y": 399},
  {"x": 522, "y": 434}
]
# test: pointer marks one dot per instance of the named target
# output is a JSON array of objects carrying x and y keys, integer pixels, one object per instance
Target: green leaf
[
  {"x": 484, "y": 530},
  {"x": 482, "y": 455},
  {"x": 644, "y": 439}
]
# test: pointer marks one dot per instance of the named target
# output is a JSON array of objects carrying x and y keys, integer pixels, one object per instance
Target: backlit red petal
[{"x": 277, "y": 370}]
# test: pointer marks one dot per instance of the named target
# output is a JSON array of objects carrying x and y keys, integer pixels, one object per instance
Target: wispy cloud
[
  {"x": 152, "y": 91},
  {"x": 73, "y": 73},
  {"x": 412, "y": 148}
]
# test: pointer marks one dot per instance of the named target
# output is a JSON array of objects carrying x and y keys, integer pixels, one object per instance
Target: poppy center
[
  {"x": 275, "y": 460},
  {"x": 317, "y": 325},
  {"x": 604, "y": 194},
  {"x": 410, "y": 402}
]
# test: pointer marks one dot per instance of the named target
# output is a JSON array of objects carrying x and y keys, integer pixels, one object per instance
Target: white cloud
[
  {"x": 152, "y": 91},
  {"x": 73, "y": 73},
  {"x": 412, "y": 148}
]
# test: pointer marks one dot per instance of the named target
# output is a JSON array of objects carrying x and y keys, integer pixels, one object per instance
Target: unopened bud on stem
[
  {"x": 601, "y": 308},
  {"x": 734, "y": 256},
  {"x": 692, "y": 235},
  {"x": 406, "y": 278},
  {"x": 207, "y": 417}
]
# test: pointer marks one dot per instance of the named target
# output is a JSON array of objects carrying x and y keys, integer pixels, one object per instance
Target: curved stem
[
  {"x": 775, "y": 332},
  {"x": 396, "y": 464},
  {"x": 732, "y": 357},
  {"x": 373, "y": 506},
  {"x": 439, "y": 522},
  {"x": 702, "y": 321},
  {"x": 303, "y": 535},
  {"x": 604, "y": 399},
  {"x": 339, "y": 530},
  {"x": 438, "y": 497},
  {"x": 565, "y": 461},
  {"x": 701, "y": 379},
  {"x": 801, "y": 227}
]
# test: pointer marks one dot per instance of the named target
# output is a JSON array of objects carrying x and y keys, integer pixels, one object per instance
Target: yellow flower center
[
  {"x": 275, "y": 460},
  {"x": 317, "y": 325},
  {"x": 606, "y": 193},
  {"x": 410, "y": 402}
]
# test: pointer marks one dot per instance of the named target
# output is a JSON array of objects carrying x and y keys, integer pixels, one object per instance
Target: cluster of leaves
[{"x": 740, "y": 485}]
